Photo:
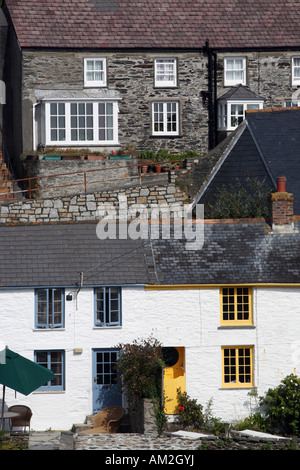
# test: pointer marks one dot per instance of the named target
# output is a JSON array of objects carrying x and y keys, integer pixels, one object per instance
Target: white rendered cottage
[{"x": 229, "y": 312}]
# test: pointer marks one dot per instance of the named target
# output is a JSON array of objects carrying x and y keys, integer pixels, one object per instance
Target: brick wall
[{"x": 282, "y": 208}]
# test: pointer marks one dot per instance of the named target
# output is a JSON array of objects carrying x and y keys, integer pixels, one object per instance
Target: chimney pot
[{"x": 281, "y": 184}]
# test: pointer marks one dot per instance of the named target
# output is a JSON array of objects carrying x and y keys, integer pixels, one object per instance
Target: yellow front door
[{"x": 174, "y": 377}]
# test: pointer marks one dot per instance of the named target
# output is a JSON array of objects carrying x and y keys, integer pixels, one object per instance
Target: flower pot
[
  {"x": 52, "y": 157},
  {"x": 96, "y": 157},
  {"x": 176, "y": 167},
  {"x": 144, "y": 168},
  {"x": 119, "y": 157},
  {"x": 158, "y": 168}
]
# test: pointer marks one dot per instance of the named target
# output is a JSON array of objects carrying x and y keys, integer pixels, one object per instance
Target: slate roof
[
  {"x": 233, "y": 253},
  {"x": 55, "y": 254},
  {"x": 160, "y": 24},
  {"x": 266, "y": 145},
  {"x": 240, "y": 93}
]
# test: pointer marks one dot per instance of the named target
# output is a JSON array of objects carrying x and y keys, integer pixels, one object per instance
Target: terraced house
[
  {"x": 174, "y": 75},
  {"x": 109, "y": 74}
]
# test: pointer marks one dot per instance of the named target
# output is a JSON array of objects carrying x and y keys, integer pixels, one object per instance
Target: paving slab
[
  {"x": 47, "y": 440},
  {"x": 259, "y": 435}
]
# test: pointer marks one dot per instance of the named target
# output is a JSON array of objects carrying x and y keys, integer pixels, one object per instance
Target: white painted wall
[{"x": 188, "y": 318}]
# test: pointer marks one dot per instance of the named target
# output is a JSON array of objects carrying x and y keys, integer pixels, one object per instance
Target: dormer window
[
  {"x": 95, "y": 72},
  {"x": 234, "y": 71}
]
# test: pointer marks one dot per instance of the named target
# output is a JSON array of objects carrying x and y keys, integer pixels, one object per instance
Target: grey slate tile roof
[
  {"x": 54, "y": 255},
  {"x": 266, "y": 145},
  {"x": 233, "y": 253},
  {"x": 240, "y": 93}
]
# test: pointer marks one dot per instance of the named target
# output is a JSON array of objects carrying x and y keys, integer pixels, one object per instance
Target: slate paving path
[{"x": 176, "y": 441}]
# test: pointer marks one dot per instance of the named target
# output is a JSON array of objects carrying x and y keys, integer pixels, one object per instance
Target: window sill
[
  {"x": 50, "y": 329},
  {"x": 248, "y": 387},
  {"x": 36, "y": 392},
  {"x": 234, "y": 327},
  {"x": 165, "y": 136},
  {"x": 107, "y": 327}
]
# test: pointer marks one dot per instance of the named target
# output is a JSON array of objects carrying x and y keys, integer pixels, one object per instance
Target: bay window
[
  {"x": 232, "y": 113},
  {"x": 81, "y": 122}
]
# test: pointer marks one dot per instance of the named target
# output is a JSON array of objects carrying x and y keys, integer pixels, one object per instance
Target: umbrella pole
[{"x": 2, "y": 413}]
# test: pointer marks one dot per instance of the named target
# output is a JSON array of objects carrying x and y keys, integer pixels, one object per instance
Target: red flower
[{"x": 181, "y": 408}]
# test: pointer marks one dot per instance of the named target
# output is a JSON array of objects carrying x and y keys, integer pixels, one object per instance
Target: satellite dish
[{"x": 2, "y": 92}]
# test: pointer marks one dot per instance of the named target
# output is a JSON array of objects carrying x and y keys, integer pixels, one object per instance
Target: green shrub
[
  {"x": 239, "y": 200},
  {"x": 140, "y": 367},
  {"x": 255, "y": 421},
  {"x": 282, "y": 406}
]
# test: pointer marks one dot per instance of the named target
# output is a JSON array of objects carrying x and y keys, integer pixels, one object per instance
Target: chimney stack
[{"x": 282, "y": 206}]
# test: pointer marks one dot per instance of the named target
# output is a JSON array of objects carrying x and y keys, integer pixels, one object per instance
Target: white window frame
[
  {"x": 291, "y": 103},
  {"x": 160, "y": 116},
  {"x": 103, "y": 70},
  {"x": 161, "y": 73},
  {"x": 225, "y": 109},
  {"x": 235, "y": 81},
  {"x": 111, "y": 122},
  {"x": 295, "y": 77}
]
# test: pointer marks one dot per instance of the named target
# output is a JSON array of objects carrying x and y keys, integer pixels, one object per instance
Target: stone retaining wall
[{"x": 86, "y": 206}]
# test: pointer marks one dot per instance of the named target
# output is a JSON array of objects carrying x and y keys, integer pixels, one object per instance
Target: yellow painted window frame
[
  {"x": 237, "y": 366},
  {"x": 236, "y": 321}
]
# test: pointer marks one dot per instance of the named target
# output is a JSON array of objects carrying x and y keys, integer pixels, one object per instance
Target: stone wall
[
  {"x": 269, "y": 75},
  {"x": 84, "y": 206},
  {"x": 131, "y": 80},
  {"x": 68, "y": 177},
  {"x": 142, "y": 417}
]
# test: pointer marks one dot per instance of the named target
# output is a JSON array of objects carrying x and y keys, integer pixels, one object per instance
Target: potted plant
[
  {"x": 167, "y": 167},
  {"x": 119, "y": 155}
]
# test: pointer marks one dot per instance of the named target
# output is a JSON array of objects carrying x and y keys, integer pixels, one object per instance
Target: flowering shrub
[
  {"x": 189, "y": 410},
  {"x": 283, "y": 406},
  {"x": 140, "y": 367}
]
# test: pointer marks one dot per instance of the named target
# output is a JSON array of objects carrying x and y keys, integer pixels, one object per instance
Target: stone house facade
[{"x": 149, "y": 88}]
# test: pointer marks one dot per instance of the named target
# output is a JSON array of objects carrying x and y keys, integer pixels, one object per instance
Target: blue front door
[{"x": 106, "y": 388}]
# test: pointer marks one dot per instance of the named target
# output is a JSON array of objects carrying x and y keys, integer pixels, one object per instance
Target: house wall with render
[
  {"x": 179, "y": 318},
  {"x": 130, "y": 78}
]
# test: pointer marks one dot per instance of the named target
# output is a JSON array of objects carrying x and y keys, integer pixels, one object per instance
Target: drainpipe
[
  {"x": 34, "y": 145},
  {"x": 212, "y": 94}
]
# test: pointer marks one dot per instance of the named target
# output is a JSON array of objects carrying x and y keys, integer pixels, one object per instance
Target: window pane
[
  {"x": 57, "y": 122},
  {"x": 105, "y": 121}
]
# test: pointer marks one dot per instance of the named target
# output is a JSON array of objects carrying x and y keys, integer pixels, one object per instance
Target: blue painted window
[
  {"x": 107, "y": 306},
  {"x": 49, "y": 308},
  {"x": 55, "y": 361}
]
